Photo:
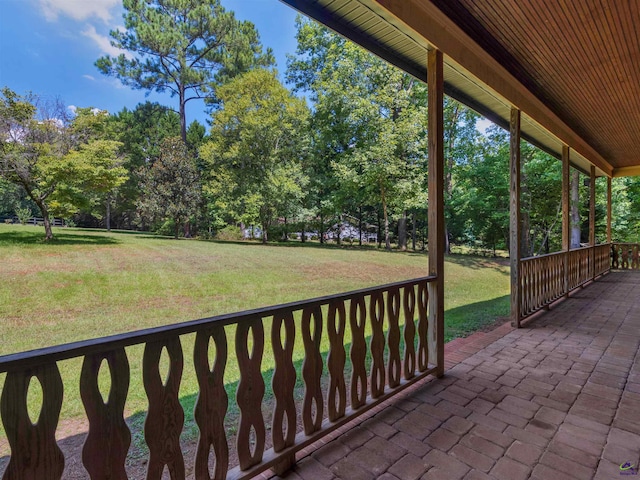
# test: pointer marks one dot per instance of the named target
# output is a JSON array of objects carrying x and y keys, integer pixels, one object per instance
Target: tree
[
  {"x": 371, "y": 117},
  {"x": 171, "y": 185},
  {"x": 141, "y": 131},
  {"x": 186, "y": 47},
  {"x": 257, "y": 144}
]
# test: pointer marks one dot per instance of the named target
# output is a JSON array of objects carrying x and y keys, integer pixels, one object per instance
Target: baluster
[
  {"x": 337, "y": 397},
  {"x": 313, "y": 404},
  {"x": 105, "y": 449},
  {"x": 426, "y": 335},
  {"x": 283, "y": 430},
  {"x": 409, "y": 303},
  {"x": 250, "y": 392},
  {"x": 393, "y": 338},
  {"x": 634, "y": 262},
  {"x": 211, "y": 406},
  {"x": 358, "y": 313},
  {"x": 376, "y": 304},
  {"x": 165, "y": 417},
  {"x": 34, "y": 451},
  {"x": 625, "y": 257},
  {"x": 614, "y": 256}
]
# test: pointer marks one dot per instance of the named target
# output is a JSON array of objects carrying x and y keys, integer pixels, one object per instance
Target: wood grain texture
[
  {"x": 34, "y": 452},
  {"x": 211, "y": 406},
  {"x": 435, "y": 135},
  {"x": 165, "y": 417},
  {"x": 376, "y": 316},
  {"x": 514, "y": 222},
  {"x": 394, "y": 367},
  {"x": 337, "y": 394},
  {"x": 358, "y": 353},
  {"x": 313, "y": 404},
  {"x": 283, "y": 429},
  {"x": 251, "y": 433},
  {"x": 409, "y": 308},
  {"x": 427, "y": 331},
  {"x": 105, "y": 449}
]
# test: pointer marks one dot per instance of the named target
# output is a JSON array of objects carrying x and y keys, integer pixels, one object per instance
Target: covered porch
[
  {"x": 554, "y": 399},
  {"x": 557, "y": 399}
]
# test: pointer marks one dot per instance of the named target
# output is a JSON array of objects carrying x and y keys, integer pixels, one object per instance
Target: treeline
[{"x": 341, "y": 147}]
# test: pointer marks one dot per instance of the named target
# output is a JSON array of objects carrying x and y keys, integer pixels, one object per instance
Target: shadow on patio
[{"x": 557, "y": 399}]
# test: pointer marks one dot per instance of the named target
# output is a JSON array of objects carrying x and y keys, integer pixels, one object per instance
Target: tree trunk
[
  {"x": 48, "y": 234},
  {"x": 321, "y": 229},
  {"x": 108, "y": 216},
  {"x": 402, "y": 232},
  {"x": 176, "y": 228},
  {"x": 387, "y": 240},
  {"x": 183, "y": 116},
  {"x": 575, "y": 209},
  {"x": 339, "y": 241},
  {"x": 379, "y": 230},
  {"x": 303, "y": 237},
  {"x": 360, "y": 225},
  {"x": 414, "y": 227}
]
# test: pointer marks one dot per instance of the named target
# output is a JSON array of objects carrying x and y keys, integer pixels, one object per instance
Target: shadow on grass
[
  {"x": 36, "y": 237},
  {"x": 467, "y": 319},
  {"x": 480, "y": 263}
]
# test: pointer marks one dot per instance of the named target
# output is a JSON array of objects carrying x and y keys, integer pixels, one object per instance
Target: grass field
[{"x": 89, "y": 284}]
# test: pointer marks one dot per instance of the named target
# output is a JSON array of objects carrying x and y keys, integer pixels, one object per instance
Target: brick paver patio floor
[{"x": 557, "y": 399}]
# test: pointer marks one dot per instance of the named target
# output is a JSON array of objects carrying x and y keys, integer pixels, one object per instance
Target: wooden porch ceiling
[{"x": 572, "y": 67}]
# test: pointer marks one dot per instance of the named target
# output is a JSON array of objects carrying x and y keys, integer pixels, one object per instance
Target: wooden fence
[
  {"x": 546, "y": 278},
  {"x": 379, "y": 342}
]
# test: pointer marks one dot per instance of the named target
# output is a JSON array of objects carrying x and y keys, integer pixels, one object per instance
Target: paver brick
[
  {"x": 310, "y": 469},
  {"x": 472, "y": 458},
  {"x": 524, "y": 453},
  {"x": 409, "y": 467},
  {"x": 458, "y": 425},
  {"x": 445, "y": 463},
  {"x": 508, "y": 469},
  {"x": 410, "y": 444},
  {"x": 442, "y": 439},
  {"x": 579, "y": 456},
  {"x": 566, "y": 465},
  {"x": 331, "y": 453},
  {"x": 482, "y": 445}
]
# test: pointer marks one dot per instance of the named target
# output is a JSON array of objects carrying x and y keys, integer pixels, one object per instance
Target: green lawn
[{"x": 91, "y": 283}]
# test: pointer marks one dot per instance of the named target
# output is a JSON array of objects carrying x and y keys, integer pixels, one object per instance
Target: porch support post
[
  {"x": 609, "y": 209},
  {"x": 592, "y": 220},
  {"x": 514, "y": 227},
  {"x": 435, "y": 83},
  {"x": 566, "y": 219}
]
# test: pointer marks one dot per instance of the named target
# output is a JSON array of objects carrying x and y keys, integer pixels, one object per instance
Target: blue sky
[{"x": 49, "y": 47}]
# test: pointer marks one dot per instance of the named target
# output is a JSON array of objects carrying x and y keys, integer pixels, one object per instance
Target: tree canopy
[{"x": 185, "y": 47}]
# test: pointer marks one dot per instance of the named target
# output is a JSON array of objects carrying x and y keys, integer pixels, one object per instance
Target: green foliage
[
  {"x": 24, "y": 215},
  {"x": 369, "y": 125},
  {"x": 229, "y": 233},
  {"x": 171, "y": 186},
  {"x": 186, "y": 47},
  {"x": 59, "y": 163},
  {"x": 257, "y": 147}
]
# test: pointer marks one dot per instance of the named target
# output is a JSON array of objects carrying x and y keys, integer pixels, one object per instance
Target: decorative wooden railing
[
  {"x": 625, "y": 256},
  {"x": 384, "y": 327},
  {"x": 541, "y": 281},
  {"x": 546, "y": 278}
]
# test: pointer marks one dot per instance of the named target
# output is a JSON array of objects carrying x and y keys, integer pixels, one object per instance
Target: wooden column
[
  {"x": 566, "y": 218},
  {"x": 435, "y": 83},
  {"x": 609, "y": 209},
  {"x": 592, "y": 220},
  {"x": 514, "y": 228}
]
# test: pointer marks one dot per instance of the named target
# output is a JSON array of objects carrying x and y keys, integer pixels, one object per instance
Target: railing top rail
[
  {"x": 32, "y": 358},
  {"x": 625, "y": 243},
  {"x": 538, "y": 257}
]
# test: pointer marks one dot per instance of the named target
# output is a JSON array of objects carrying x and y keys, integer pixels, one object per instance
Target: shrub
[
  {"x": 24, "y": 215},
  {"x": 8, "y": 221},
  {"x": 229, "y": 233}
]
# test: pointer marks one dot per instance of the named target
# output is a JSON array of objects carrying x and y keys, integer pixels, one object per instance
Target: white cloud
[
  {"x": 89, "y": 77},
  {"x": 79, "y": 9},
  {"x": 72, "y": 108},
  {"x": 103, "y": 42}
]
